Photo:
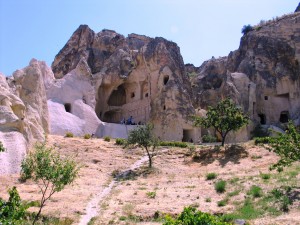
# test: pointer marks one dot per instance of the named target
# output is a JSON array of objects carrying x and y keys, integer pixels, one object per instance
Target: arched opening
[
  {"x": 164, "y": 107},
  {"x": 284, "y": 117},
  {"x": 166, "y": 79},
  {"x": 67, "y": 107},
  {"x": 117, "y": 97},
  {"x": 263, "y": 119}
]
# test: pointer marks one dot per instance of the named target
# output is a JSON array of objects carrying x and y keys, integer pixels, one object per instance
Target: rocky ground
[{"x": 178, "y": 179}]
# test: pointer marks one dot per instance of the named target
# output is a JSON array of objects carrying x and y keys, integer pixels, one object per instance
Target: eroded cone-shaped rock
[{"x": 134, "y": 76}]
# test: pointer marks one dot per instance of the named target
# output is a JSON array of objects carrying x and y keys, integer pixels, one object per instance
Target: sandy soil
[{"x": 177, "y": 180}]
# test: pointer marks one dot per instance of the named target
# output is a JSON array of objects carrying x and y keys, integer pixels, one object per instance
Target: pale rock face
[{"x": 135, "y": 76}]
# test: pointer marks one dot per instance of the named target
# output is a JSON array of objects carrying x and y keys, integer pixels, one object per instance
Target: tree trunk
[
  {"x": 149, "y": 157},
  {"x": 223, "y": 140}
]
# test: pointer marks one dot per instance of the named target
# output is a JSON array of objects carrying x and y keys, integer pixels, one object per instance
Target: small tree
[
  {"x": 143, "y": 137},
  {"x": 49, "y": 171},
  {"x": 286, "y": 146},
  {"x": 225, "y": 117}
]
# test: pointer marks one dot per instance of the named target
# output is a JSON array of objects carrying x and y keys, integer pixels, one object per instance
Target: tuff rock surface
[{"x": 262, "y": 75}]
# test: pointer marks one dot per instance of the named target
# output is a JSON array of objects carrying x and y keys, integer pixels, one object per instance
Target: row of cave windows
[{"x": 284, "y": 118}]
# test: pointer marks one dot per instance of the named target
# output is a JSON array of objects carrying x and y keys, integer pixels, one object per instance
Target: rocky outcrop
[
  {"x": 262, "y": 75},
  {"x": 23, "y": 112},
  {"x": 134, "y": 76}
]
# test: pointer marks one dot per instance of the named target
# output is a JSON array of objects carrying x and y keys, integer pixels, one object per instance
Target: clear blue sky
[{"x": 202, "y": 28}]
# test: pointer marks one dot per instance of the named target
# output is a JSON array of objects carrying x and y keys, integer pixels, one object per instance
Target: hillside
[{"x": 177, "y": 180}]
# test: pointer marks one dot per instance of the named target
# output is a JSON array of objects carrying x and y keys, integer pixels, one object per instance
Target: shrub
[
  {"x": 174, "y": 144},
  {"x": 191, "y": 216},
  {"x": 208, "y": 139},
  {"x": 265, "y": 176},
  {"x": 2, "y": 149},
  {"x": 222, "y": 203},
  {"x": 255, "y": 191},
  {"x": 151, "y": 194},
  {"x": 87, "y": 136},
  {"x": 220, "y": 186},
  {"x": 120, "y": 141},
  {"x": 246, "y": 29},
  {"x": 12, "y": 211},
  {"x": 107, "y": 138},
  {"x": 211, "y": 176},
  {"x": 69, "y": 135}
]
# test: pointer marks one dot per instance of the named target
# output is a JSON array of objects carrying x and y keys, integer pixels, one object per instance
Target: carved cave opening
[
  {"x": 262, "y": 118},
  {"x": 187, "y": 135},
  {"x": 284, "y": 117},
  {"x": 166, "y": 79},
  {"x": 112, "y": 117},
  {"x": 117, "y": 97},
  {"x": 68, "y": 107}
]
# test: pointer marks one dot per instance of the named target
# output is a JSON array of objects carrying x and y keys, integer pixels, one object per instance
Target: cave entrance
[
  {"x": 67, "y": 107},
  {"x": 117, "y": 97},
  {"x": 263, "y": 119},
  {"x": 187, "y": 135},
  {"x": 112, "y": 117},
  {"x": 284, "y": 117}
]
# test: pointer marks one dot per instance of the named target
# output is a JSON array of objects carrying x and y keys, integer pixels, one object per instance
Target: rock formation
[
  {"x": 119, "y": 77},
  {"x": 23, "y": 113},
  {"x": 262, "y": 75}
]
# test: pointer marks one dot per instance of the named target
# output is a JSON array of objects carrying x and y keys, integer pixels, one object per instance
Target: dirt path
[{"x": 92, "y": 208}]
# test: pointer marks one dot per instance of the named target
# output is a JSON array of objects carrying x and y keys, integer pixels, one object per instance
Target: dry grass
[{"x": 178, "y": 179}]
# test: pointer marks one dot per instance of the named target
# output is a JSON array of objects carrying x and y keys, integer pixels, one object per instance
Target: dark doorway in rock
[
  {"x": 284, "y": 117},
  {"x": 187, "y": 135},
  {"x": 263, "y": 119},
  {"x": 166, "y": 79},
  {"x": 117, "y": 97},
  {"x": 67, "y": 107},
  {"x": 112, "y": 117}
]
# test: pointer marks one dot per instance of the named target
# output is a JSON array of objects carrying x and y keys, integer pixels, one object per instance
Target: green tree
[
  {"x": 246, "y": 29},
  {"x": 143, "y": 137},
  {"x": 225, "y": 117},
  {"x": 51, "y": 172},
  {"x": 286, "y": 146},
  {"x": 12, "y": 211}
]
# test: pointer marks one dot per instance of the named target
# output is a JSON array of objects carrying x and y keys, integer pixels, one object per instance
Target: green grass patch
[
  {"x": 255, "y": 191},
  {"x": 220, "y": 186},
  {"x": 211, "y": 176}
]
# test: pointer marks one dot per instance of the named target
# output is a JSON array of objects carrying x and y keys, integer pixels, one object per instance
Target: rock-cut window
[{"x": 68, "y": 107}]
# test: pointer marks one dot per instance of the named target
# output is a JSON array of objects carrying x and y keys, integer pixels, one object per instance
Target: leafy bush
[
  {"x": 208, "y": 139},
  {"x": 87, "y": 136},
  {"x": 211, "y": 176},
  {"x": 120, "y": 141},
  {"x": 220, "y": 186},
  {"x": 69, "y": 135},
  {"x": 190, "y": 216},
  {"x": 174, "y": 144},
  {"x": 2, "y": 149},
  {"x": 246, "y": 29},
  {"x": 12, "y": 211},
  {"x": 255, "y": 191},
  {"x": 107, "y": 138},
  {"x": 286, "y": 146}
]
